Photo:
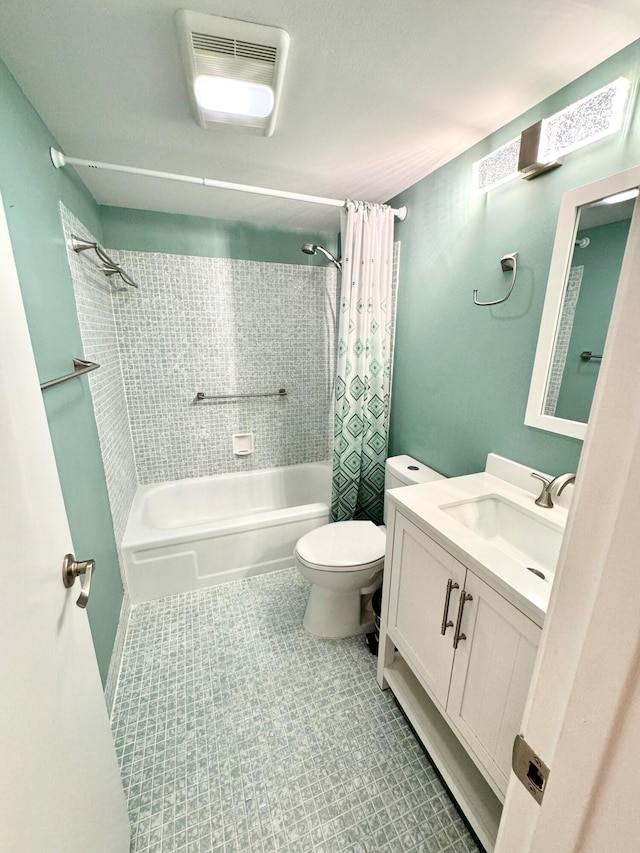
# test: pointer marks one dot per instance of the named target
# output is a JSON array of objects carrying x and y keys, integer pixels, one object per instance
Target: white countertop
[{"x": 421, "y": 504}]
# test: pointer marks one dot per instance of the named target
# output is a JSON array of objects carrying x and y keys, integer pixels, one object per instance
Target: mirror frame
[{"x": 561, "y": 257}]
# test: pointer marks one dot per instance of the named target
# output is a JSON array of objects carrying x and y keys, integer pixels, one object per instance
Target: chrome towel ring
[{"x": 507, "y": 262}]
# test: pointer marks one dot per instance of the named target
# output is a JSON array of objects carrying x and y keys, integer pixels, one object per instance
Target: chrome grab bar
[
  {"x": 281, "y": 392},
  {"x": 446, "y": 622},
  {"x": 80, "y": 367}
]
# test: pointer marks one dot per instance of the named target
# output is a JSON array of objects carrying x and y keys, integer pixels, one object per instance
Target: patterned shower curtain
[{"x": 363, "y": 382}]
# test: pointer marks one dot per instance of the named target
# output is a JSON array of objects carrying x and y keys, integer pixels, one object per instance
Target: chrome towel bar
[
  {"x": 80, "y": 367},
  {"x": 110, "y": 267},
  {"x": 281, "y": 392}
]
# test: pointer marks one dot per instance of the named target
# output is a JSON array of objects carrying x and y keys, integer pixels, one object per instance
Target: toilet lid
[{"x": 345, "y": 545}]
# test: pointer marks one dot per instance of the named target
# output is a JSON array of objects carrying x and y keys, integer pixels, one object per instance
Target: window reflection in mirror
[{"x": 590, "y": 288}]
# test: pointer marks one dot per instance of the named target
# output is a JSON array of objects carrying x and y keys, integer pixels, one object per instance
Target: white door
[
  {"x": 583, "y": 711},
  {"x": 60, "y": 788}
]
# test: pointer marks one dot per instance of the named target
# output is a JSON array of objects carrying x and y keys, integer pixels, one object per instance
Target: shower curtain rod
[{"x": 59, "y": 159}]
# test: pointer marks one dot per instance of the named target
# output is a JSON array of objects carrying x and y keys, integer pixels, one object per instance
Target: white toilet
[{"x": 344, "y": 561}]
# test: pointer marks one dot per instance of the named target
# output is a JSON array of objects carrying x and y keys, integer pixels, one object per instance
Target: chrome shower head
[{"x": 312, "y": 248}]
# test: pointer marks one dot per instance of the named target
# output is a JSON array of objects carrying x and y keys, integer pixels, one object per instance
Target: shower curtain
[{"x": 363, "y": 382}]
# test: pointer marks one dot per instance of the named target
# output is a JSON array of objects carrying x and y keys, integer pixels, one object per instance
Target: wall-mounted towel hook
[{"x": 507, "y": 262}]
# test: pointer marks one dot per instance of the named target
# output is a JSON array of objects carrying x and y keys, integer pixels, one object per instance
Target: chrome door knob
[{"x": 71, "y": 568}]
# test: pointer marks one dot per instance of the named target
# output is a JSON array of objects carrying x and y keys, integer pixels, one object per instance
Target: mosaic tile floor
[{"x": 237, "y": 732}]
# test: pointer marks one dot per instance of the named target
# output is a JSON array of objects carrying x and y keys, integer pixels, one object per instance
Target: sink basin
[{"x": 532, "y": 541}]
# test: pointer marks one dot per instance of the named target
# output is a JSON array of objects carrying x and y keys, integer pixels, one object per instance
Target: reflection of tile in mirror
[
  {"x": 565, "y": 328},
  {"x": 602, "y": 262}
]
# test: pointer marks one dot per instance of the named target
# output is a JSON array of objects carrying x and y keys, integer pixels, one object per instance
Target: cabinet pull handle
[
  {"x": 464, "y": 596},
  {"x": 447, "y": 623}
]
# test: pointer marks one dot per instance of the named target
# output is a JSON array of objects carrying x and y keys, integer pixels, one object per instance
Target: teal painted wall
[
  {"x": 31, "y": 191},
  {"x": 461, "y": 372},
  {"x": 602, "y": 261},
  {"x": 148, "y": 231}
]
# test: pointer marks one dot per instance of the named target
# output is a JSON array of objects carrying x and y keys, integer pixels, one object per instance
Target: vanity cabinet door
[
  {"x": 491, "y": 676},
  {"x": 421, "y": 570}
]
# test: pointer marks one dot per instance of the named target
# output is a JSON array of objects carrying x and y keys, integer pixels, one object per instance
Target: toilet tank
[{"x": 406, "y": 471}]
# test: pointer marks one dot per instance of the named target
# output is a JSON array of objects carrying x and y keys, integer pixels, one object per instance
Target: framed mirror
[{"x": 591, "y": 238}]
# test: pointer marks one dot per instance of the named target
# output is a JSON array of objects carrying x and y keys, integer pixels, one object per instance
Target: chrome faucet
[{"x": 558, "y": 484}]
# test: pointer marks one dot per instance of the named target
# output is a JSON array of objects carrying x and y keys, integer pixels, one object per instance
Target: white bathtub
[{"x": 189, "y": 534}]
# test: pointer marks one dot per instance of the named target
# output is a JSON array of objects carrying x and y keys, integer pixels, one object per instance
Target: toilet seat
[{"x": 345, "y": 546}]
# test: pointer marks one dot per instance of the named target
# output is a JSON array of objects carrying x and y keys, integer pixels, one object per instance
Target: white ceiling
[{"x": 378, "y": 93}]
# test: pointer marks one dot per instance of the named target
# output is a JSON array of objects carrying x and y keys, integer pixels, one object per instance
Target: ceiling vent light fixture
[
  {"x": 233, "y": 97},
  {"x": 235, "y": 71}
]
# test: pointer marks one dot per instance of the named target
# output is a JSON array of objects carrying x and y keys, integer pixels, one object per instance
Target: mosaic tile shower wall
[
  {"x": 225, "y": 326},
  {"x": 93, "y": 293}
]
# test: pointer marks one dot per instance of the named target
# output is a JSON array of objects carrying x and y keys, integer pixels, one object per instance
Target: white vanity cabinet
[
  {"x": 490, "y": 677},
  {"x": 422, "y": 577},
  {"x": 461, "y": 671}
]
